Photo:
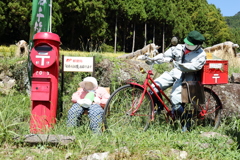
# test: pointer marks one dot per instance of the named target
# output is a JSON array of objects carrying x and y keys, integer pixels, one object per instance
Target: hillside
[
  {"x": 233, "y": 21},
  {"x": 234, "y": 24}
]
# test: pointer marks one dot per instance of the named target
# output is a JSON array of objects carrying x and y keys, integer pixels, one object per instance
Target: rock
[
  {"x": 6, "y": 83},
  {"x": 16, "y": 76},
  {"x": 68, "y": 155},
  {"x": 153, "y": 154},
  {"x": 121, "y": 72},
  {"x": 210, "y": 134},
  {"x": 97, "y": 156},
  {"x": 179, "y": 154},
  {"x": 29, "y": 158},
  {"x": 238, "y": 55},
  {"x": 217, "y": 135},
  {"x": 122, "y": 153},
  {"x": 229, "y": 96},
  {"x": 45, "y": 138},
  {"x": 204, "y": 145},
  {"x": 235, "y": 78}
]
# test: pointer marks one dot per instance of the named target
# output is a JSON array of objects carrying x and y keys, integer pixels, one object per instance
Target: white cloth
[
  {"x": 86, "y": 103},
  {"x": 192, "y": 62},
  {"x": 97, "y": 100}
]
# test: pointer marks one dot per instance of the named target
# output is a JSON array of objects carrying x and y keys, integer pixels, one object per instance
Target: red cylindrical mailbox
[{"x": 44, "y": 90}]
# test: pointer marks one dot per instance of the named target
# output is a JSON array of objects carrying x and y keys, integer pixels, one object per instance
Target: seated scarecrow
[{"x": 92, "y": 98}]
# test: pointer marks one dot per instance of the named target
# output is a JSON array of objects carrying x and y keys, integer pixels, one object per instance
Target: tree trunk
[
  {"x": 145, "y": 35},
  {"x": 154, "y": 33},
  {"x": 124, "y": 37},
  {"x": 163, "y": 37},
  {"x": 115, "y": 36},
  {"x": 133, "y": 45}
]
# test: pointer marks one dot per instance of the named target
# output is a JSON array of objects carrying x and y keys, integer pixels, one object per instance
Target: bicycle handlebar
[
  {"x": 159, "y": 58},
  {"x": 145, "y": 57}
]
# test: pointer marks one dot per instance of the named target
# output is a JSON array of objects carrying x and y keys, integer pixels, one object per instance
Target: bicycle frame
[
  {"x": 139, "y": 97},
  {"x": 146, "y": 84}
]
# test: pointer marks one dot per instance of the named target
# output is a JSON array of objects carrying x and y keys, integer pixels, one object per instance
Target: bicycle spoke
[
  {"x": 123, "y": 109},
  {"x": 209, "y": 114}
]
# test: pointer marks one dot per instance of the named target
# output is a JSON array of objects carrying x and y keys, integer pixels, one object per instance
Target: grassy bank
[
  {"x": 160, "y": 141},
  {"x": 161, "y": 137}
]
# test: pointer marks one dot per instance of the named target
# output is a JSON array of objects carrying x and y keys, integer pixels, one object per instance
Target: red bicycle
[{"x": 132, "y": 105}]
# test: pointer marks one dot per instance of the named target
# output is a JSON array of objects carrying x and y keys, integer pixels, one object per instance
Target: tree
[
  {"x": 218, "y": 30},
  {"x": 150, "y": 8},
  {"x": 15, "y": 18},
  {"x": 114, "y": 8},
  {"x": 57, "y": 18},
  {"x": 136, "y": 13},
  {"x": 3, "y": 22},
  {"x": 234, "y": 24},
  {"x": 124, "y": 24}
]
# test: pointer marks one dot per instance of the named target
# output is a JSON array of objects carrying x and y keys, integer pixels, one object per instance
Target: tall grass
[
  {"x": 161, "y": 137},
  {"x": 14, "y": 115},
  {"x": 78, "y": 53},
  {"x": 233, "y": 62},
  {"x": 158, "y": 141}
]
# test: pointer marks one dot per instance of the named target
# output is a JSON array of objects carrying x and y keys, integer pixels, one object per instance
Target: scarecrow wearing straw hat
[{"x": 89, "y": 97}]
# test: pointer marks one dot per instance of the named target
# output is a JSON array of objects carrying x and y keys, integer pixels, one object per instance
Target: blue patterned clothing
[{"x": 95, "y": 113}]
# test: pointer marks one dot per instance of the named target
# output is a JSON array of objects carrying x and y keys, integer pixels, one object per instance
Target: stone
[
  {"x": 153, "y": 154},
  {"x": 179, "y": 154},
  {"x": 229, "y": 96},
  {"x": 46, "y": 138},
  {"x": 210, "y": 134},
  {"x": 235, "y": 78},
  {"x": 97, "y": 156},
  {"x": 122, "y": 152}
]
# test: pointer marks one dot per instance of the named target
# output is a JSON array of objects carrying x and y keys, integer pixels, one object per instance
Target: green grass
[
  {"x": 162, "y": 137},
  {"x": 14, "y": 121}
]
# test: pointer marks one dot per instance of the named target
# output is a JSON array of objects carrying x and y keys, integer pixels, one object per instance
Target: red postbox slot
[{"x": 40, "y": 89}]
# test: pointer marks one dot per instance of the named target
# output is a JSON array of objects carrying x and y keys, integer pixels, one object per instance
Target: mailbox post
[{"x": 44, "y": 91}]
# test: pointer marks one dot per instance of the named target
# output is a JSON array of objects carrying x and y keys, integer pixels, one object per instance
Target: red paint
[
  {"x": 215, "y": 75},
  {"x": 44, "y": 91}
]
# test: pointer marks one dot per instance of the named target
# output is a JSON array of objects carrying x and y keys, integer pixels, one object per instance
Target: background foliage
[
  {"x": 87, "y": 25},
  {"x": 234, "y": 24}
]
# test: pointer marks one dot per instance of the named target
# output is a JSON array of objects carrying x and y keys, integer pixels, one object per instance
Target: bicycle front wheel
[
  {"x": 209, "y": 114},
  {"x": 125, "y": 109}
]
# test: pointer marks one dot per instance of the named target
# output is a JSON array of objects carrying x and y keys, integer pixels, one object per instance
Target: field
[{"x": 161, "y": 141}]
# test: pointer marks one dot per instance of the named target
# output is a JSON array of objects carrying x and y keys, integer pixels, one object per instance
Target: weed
[{"x": 161, "y": 138}]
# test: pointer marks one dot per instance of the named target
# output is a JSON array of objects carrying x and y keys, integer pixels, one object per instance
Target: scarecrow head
[{"x": 89, "y": 84}]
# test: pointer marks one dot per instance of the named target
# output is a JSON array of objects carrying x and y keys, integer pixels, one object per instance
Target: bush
[
  {"x": 163, "y": 67},
  {"x": 106, "y": 48}
]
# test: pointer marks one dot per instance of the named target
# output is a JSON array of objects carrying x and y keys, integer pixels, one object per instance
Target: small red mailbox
[
  {"x": 44, "y": 91},
  {"x": 215, "y": 72}
]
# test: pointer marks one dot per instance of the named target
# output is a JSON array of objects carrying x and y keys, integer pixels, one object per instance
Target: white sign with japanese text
[
  {"x": 215, "y": 65},
  {"x": 78, "y": 64}
]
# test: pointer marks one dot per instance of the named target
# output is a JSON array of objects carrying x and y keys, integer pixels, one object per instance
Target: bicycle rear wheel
[
  {"x": 209, "y": 114},
  {"x": 118, "y": 112}
]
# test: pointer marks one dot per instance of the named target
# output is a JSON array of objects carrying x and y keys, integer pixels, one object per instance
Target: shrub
[{"x": 106, "y": 48}]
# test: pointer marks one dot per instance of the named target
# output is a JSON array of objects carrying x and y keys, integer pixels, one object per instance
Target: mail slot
[{"x": 40, "y": 89}]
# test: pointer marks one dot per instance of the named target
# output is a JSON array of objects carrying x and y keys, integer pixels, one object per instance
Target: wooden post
[
  {"x": 93, "y": 72},
  {"x": 62, "y": 82}
]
